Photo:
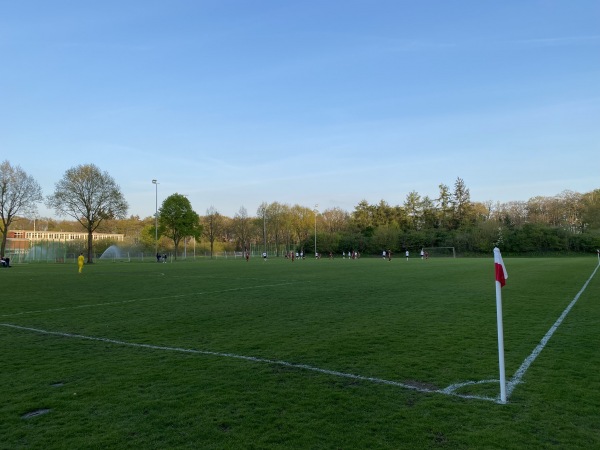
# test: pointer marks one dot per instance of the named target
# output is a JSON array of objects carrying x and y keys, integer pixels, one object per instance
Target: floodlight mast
[
  {"x": 155, "y": 183},
  {"x": 316, "y": 212},
  {"x": 265, "y": 229}
]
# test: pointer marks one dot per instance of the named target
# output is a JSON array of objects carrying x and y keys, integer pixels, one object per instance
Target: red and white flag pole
[{"x": 501, "y": 277}]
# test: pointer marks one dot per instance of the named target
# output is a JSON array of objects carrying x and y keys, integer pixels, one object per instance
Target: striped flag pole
[{"x": 501, "y": 277}]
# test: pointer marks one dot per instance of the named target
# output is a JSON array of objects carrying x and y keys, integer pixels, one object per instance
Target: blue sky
[{"x": 234, "y": 103}]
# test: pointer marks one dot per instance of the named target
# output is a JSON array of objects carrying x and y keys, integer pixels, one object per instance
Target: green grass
[{"x": 427, "y": 324}]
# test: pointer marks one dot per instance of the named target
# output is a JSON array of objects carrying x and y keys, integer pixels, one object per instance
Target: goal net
[{"x": 440, "y": 252}]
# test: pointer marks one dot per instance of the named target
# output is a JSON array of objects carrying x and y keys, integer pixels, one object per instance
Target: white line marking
[
  {"x": 448, "y": 391},
  {"x": 120, "y": 302},
  {"x": 518, "y": 376}
]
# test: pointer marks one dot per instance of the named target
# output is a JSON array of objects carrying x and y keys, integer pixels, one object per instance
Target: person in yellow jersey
[{"x": 80, "y": 262}]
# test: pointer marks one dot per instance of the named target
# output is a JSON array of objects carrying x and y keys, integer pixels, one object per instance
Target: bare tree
[
  {"x": 89, "y": 196},
  {"x": 573, "y": 208},
  {"x": 302, "y": 222},
  {"x": 19, "y": 194},
  {"x": 275, "y": 220},
  {"x": 335, "y": 219},
  {"x": 513, "y": 213},
  {"x": 213, "y": 226},
  {"x": 242, "y": 225},
  {"x": 591, "y": 213}
]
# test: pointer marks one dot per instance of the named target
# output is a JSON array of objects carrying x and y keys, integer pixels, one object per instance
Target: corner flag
[
  {"x": 501, "y": 274},
  {"x": 501, "y": 277}
]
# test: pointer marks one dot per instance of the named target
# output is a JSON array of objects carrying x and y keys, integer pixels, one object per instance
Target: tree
[
  {"x": 335, "y": 219},
  {"x": 512, "y": 214},
  {"x": 302, "y": 221},
  {"x": 573, "y": 209},
  {"x": 214, "y": 224},
  {"x": 177, "y": 220},
  {"x": 89, "y": 196},
  {"x": 146, "y": 237},
  {"x": 261, "y": 212},
  {"x": 362, "y": 216},
  {"x": 275, "y": 215},
  {"x": 19, "y": 194},
  {"x": 286, "y": 225},
  {"x": 461, "y": 203},
  {"x": 414, "y": 209},
  {"x": 591, "y": 212},
  {"x": 444, "y": 205},
  {"x": 386, "y": 237},
  {"x": 227, "y": 232},
  {"x": 429, "y": 213},
  {"x": 382, "y": 214},
  {"x": 242, "y": 226}
]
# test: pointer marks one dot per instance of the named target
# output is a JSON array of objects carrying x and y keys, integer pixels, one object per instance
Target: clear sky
[{"x": 237, "y": 102}]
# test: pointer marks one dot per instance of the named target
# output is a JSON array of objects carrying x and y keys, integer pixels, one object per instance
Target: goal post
[{"x": 440, "y": 252}]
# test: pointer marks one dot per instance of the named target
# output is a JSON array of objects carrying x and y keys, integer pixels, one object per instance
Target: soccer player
[{"x": 80, "y": 262}]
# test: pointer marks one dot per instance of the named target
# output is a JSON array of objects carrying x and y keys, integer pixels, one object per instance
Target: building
[{"x": 21, "y": 240}]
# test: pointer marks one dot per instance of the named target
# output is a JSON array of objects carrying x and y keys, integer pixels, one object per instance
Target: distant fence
[
  {"x": 58, "y": 252},
  {"x": 61, "y": 257}
]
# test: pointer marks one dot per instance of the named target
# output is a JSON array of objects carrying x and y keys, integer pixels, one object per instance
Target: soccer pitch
[{"x": 307, "y": 354}]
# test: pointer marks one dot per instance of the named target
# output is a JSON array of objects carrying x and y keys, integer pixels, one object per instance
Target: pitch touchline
[
  {"x": 120, "y": 302},
  {"x": 447, "y": 391}
]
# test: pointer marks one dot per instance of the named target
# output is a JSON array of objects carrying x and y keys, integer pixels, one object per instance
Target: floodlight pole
[
  {"x": 34, "y": 238},
  {"x": 316, "y": 211},
  {"x": 155, "y": 183},
  {"x": 185, "y": 239},
  {"x": 265, "y": 228}
]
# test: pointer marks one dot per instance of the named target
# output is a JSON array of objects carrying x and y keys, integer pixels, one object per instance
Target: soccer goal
[{"x": 440, "y": 252}]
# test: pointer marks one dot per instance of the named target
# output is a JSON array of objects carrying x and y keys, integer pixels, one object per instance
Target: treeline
[{"x": 566, "y": 223}]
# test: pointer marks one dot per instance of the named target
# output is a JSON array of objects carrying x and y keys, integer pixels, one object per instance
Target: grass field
[{"x": 323, "y": 354}]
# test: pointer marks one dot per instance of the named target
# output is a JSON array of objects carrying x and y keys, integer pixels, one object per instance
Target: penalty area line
[{"x": 449, "y": 391}]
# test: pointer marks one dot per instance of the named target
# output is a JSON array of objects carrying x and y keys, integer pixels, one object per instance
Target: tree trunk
[
  {"x": 90, "y": 246},
  {"x": 3, "y": 246}
]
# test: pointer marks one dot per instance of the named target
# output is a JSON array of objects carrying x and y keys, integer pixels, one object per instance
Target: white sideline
[{"x": 450, "y": 390}]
